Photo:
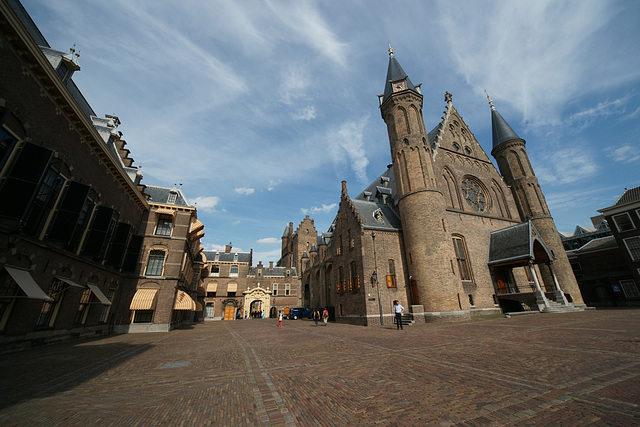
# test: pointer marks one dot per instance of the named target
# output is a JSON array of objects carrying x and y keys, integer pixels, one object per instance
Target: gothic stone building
[{"x": 441, "y": 230}]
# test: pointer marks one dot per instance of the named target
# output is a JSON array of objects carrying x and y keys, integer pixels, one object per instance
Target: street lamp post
[{"x": 375, "y": 277}]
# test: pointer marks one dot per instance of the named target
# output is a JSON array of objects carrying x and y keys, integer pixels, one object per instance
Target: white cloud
[
  {"x": 565, "y": 166},
  {"x": 272, "y": 184},
  {"x": 206, "y": 203},
  {"x": 307, "y": 113},
  {"x": 542, "y": 55},
  {"x": 269, "y": 240},
  {"x": 624, "y": 154},
  {"x": 347, "y": 145},
  {"x": 603, "y": 109},
  {"x": 266, "y": 256},
  {"x": 319, "y": 209},
  {"x": 245, "y": 190}
]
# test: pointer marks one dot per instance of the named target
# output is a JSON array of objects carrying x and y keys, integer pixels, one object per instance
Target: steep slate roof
[
  {"x": 161, "y": 195},
  {"x": 501, "y": 130},
  {"x": 515, "y": 244},
  {"x": 376, "y": 186},
  {"x": 629, "y": 195},
  {"x": 244, "y": 257}
]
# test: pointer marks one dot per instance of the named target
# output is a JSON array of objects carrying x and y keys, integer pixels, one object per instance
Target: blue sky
[{"x": 262, "y": 108}]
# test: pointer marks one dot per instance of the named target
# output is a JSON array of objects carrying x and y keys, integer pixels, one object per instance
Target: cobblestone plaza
[{"x": 543, "y": 369}]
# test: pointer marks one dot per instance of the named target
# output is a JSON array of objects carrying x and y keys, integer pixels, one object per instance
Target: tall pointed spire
[
  {"x": 397, "y": 79},
  {"x": 501, "y": 130}
]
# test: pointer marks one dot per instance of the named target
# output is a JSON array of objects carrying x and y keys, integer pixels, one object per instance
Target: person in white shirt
[{"x": 398, "y": 309}]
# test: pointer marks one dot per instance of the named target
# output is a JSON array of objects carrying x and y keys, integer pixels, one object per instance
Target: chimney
[
  {"x": 270, "y": 264},
  {"x": 227, "y": 248},
  {"x": 344, "y": 188}
]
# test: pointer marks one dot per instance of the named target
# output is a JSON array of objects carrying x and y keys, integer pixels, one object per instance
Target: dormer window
[
  {"x": 217, "y": 257},
  {"x": 235, "y": 257},
  {"x": 172, "y": 197},
  {"x": 64, "y": 72}
]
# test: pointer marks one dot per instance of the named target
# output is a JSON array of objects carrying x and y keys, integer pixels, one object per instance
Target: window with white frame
[
  {"x": 287, "y": 289},
  {"x": 155, "y": 263},
  {"x": 629, "y": 288},
  {"x": 623, "y": 222},
  {"x": 633, "y": 246},
  {"x": 234, "y": 271},
  {"x": 215, "y": 271},
  {"x": 275, "y": 289},
  {"x": 165, "y": 222}
]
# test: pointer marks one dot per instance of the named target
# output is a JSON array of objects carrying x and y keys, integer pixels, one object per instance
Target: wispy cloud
[
  {"x": 565, "y": 166},
  {"x": 602, "y": 109},
  {"x": 346, "y": 145},
  {"x": 269, "y": 240},
  {"x": 306, "y": 113},
  {"x": 245, "y": 190},
  {"x": 624, "y": 154},
  {"x": 206, "y": 203},
  {"x": 319, "y": 209},
  {"x": 539, "y": 57}
]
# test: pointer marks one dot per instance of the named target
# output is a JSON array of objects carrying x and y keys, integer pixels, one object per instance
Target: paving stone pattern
[{"x": 552, "y": 369}]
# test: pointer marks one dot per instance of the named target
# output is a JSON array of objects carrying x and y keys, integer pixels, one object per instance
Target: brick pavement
[{"x": 552, "y": 369}]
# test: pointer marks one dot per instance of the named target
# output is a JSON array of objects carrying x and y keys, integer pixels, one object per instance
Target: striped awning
[
  {"x": 232, "y": 287},
  {"x": 212, "y": 287},
  {"x": 144, "y": 299},
  {"x": 184, "y": 302},
  {"x": 197, "y": 225}
]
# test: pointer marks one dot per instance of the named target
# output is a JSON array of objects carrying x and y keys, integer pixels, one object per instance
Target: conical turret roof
[
  {"x": 395, "y": 74},
  {"x": 501, "y": 130}
]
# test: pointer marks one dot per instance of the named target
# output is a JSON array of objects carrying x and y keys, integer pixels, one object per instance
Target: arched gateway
[{"x": 257, "y": 300}]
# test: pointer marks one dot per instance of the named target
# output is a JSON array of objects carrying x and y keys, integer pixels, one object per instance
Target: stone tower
[
  {"x": 513, "y": 162},
  {"x": 429, "y": 249}
]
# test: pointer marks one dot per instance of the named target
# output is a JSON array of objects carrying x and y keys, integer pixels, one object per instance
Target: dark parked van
[{"x": 300, "y": 313}]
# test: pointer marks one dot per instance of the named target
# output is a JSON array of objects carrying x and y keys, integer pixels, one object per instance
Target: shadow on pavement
[{"x": 49, "y": 370}]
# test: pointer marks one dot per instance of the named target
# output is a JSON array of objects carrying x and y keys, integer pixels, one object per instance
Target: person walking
[
  {"x": 398, "y": 310},
  {"x": 325, "y": 316},
  {"x": 280, "y": 319},
  {"x": 316, "y": 316}
]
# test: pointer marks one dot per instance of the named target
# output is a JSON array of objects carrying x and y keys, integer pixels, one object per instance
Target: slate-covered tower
[
  {"x": 513, "y": 162},
  {"x": 420, "y": 203}
]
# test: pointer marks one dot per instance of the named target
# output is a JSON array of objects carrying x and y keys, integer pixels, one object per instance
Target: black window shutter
[
  {"x": 98, "y": 231},
  {"x": 118, "y": 244},
  {"x": 68, "y": 214},
  {"x": 20, "y": 185},
  {"x": 133, "y": 253}
]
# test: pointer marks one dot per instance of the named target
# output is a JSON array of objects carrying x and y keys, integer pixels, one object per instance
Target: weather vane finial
[
  {"x": 490, "y": 101},
  {"x": 390, "y": 50}
]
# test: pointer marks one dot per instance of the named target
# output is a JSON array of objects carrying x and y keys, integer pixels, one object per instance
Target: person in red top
[{"x": 325, "y": 316}]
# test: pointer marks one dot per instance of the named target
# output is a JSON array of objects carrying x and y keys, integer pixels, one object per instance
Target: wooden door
[{"x": 229, "y": 311}]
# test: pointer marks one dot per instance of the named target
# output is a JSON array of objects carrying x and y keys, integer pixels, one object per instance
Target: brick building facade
[
  {"x": 232, "y": 288},
  {"x": 75, "y": 221},
  {"x": 441, "y": 230}
]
